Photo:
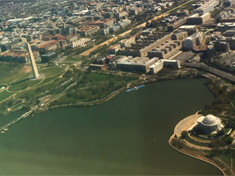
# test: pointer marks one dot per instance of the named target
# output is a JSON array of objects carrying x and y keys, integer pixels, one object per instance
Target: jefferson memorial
[{"x": 209, "y": 124}]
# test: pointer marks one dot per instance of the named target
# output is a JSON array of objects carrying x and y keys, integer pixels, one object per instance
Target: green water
[{"x": 127, "y": 135}]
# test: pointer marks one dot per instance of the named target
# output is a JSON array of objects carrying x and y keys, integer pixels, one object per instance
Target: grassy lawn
[
  {"x": 66, "y": 100},
  {"x": 6, "y": 67},
  {"x": 4, "y": 94},
  {"x": 226, "y": 158},
  {"x": 7, "y": 79},
  {"x": 21, "y": 85},
  {"x": 50, "y": 71},
  {"x": 47, "y": 80},
  {"x": 192, "y": 141},
  {"x": 77, "y": 59},
  {"x": 98, "y": 77},
  {"x": 27, "y": 93}
]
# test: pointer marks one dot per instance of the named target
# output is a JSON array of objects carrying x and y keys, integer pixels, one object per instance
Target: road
[
  {"x": 212, "y": 70},
  {"x": 107, "y": 42}
]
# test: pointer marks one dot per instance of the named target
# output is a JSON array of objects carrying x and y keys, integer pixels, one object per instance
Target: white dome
[
  {"x": 208, "y": 124},
  {"x": 209, "y": 119}
]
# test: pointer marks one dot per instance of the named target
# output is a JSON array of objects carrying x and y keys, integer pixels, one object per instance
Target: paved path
[{"x": 185, "y": 124}]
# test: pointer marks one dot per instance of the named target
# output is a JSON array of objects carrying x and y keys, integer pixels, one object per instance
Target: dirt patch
[{"x": 25, "y": 69}]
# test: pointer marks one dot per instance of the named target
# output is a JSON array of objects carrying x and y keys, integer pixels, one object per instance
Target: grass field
[
  {"x": 50, "y": 71},
  {"x": 4, "y": 94},
  {"x": 77, "y": 59},
  {"x": 226, "y": 158},
  {"x": 24, "y": 84},
  {"x": 7, "y": 79},
  {"x": 6, "y": 67},
  {"x": 98, "y": 77}
]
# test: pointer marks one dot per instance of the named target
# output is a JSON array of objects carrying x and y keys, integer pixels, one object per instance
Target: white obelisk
[{"x": 33, "y": 64}]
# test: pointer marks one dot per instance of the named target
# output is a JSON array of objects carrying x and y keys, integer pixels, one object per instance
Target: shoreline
[
  {"x": 201, "y": 158},
  {"x": 116, "y": 92},
  {"x": 190, "y": 151}
]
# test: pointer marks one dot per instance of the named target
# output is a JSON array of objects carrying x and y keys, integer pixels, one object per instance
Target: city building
[
  {"x": 144, "y": 44},
  {"x": 114, "y": 28},
  {"x": 124, "y": 23},
  {"x": 79, "y": 43},
  {"x": 121, "y": 16},
  {"x": 104, "y": 31},
  {"x": 48, "y": 56},
  {"x": 193, "y": 40},
  {"x": 113, "y": 49},
  {"x": 140, "y": 64},
  {"x": 148, "y": 31},
  {"x": 165, "y": 49},
  {"x": 103, "y": 23},
  {"x": 20, "y": 56},
  {"x": 135, "y": 10},
  {"x": 227, "y": 16},
  {"x": 190, "y": 29},
  {"x": 51, "y": 45},
  {"x": 127, "y": 42},
  {"x": 88, "y": 30},
  {"x": 229, "y": 33},
  {"x": 182, "y": 13},
  {"x": 198, "y": 19},
  {"x": 222, "y": 27},
  {"x": 206, "y": 6},
  {"x": 177, "y": 24},
  {"x": 179, "y": 35},
  {"x": 156, "y": 67},
  {"x": 221, "y": 46}
]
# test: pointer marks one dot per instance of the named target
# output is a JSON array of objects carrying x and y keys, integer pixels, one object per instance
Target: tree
[
  {"x": 50, "y": 63},
  {"x": 68, "y": 74},
  {"x": 184, "y": 134}
]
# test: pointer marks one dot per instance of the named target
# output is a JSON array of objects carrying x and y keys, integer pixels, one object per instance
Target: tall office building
[{"x": 33, "y": 64}]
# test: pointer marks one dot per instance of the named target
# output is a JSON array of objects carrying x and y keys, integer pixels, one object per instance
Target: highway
[
  {"x": 107, "y": 42},
  {"x": 212, "y": 70}
]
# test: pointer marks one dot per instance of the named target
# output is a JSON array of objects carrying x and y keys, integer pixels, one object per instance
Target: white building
[
  {"x": 80, "y": 43},
  {"x": 209, "y": 124},
  {"x": 207, "y": 6},
  {"x": 193, "y": 40},
  {"x": 156, "y": 67}
]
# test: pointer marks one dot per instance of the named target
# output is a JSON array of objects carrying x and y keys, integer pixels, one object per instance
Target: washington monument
[{"x": 33, "y": 64}]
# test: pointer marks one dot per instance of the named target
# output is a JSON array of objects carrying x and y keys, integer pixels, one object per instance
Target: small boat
[{"x": 135, "y": 88}]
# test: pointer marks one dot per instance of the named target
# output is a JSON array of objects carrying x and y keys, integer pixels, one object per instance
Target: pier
[{"x": 2, "y": 128}]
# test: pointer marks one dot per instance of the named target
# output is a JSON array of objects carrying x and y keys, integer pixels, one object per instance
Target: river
[{"x": 127, "y": 135}]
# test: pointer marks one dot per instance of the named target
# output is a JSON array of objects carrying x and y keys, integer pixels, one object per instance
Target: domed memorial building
[{"x": 209, "y": 124}]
